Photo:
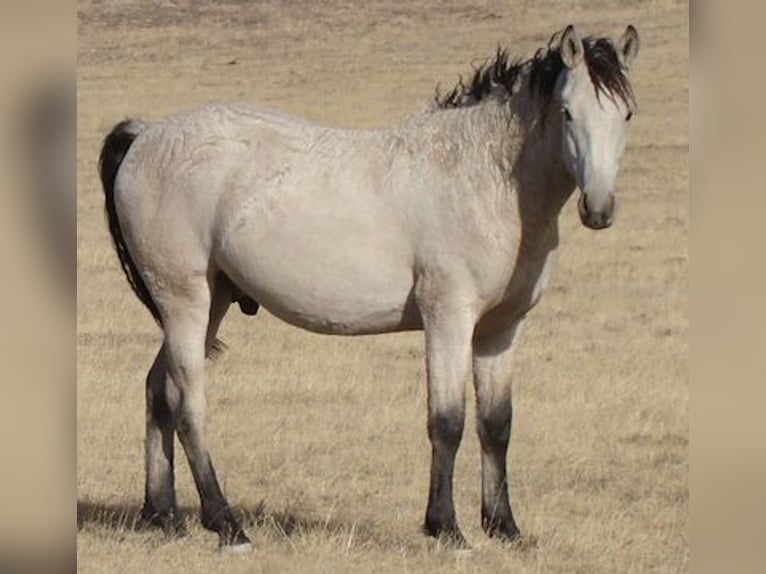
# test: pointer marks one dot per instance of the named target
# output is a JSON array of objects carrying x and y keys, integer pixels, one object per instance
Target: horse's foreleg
[
  {"x": 161, "y": 402},
  {"x": 448, "y": 339},
  {"x": 492, "y": 380},
  {"x": 185, "y": 339}
]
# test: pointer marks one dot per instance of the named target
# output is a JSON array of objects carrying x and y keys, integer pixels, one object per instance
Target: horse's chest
[
  {"x": 539, "y": 284},
  {"x": 524, "y": 289}
]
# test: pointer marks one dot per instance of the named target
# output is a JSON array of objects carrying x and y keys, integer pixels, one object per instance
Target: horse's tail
[{"x": 116, "y": 146}]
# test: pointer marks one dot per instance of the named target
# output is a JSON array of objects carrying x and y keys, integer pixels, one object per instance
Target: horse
[{"x": 445, "y": 223}]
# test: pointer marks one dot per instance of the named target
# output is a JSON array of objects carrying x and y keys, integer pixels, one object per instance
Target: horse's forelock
[{"x": 606, "y": 70}]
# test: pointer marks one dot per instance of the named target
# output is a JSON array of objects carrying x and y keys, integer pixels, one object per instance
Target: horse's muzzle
[{"x": 596, "y": 219}]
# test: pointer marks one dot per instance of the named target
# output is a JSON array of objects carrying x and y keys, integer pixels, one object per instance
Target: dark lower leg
[
  {"x": 445, "y": 432},
  {"x": 159, "y": 492},
  {"x": 190, "y": 325},
  {"x": 494, "y": 433},
  {"x": 216, "y": 514}
]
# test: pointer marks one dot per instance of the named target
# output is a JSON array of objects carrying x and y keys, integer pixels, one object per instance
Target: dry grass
[{"x": 320, "y": 441}]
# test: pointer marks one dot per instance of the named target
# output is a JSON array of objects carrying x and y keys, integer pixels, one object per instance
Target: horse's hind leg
[
  {"x": 161, "y": 402},
  {"x": 185, "y": 323}
]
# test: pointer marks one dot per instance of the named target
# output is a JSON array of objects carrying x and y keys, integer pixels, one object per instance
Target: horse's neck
[
  {"x": 510, "y": 140},
  {"x": 525, "y": 147},
  {"x": 538, "y": 173}
]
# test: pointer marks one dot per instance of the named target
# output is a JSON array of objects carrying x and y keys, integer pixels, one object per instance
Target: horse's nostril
[
  {"x": 603, "y": 219},
  {"x": 596, "y": 219}
]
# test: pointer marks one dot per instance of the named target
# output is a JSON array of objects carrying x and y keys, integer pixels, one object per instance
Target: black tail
[{"x": 116, "y": 145}]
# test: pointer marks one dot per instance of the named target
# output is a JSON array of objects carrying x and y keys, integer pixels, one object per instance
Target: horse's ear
[
  {"x": 628, "y": 46},
  {"x": 571, "y": 48}
]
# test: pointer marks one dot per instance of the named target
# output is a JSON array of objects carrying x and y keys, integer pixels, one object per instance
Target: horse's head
[{"x": 596, "y": 104}]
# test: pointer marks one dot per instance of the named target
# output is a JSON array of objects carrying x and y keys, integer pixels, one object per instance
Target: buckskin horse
[{"x": 445, "y": 222}]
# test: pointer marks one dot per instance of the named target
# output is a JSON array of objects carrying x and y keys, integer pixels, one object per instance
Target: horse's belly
[
  {"x": 359, "y": 317},
  {"x": 338, "y": 287}
]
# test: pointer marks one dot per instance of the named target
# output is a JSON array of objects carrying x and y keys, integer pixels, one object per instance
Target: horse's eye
[
  {"x": 567, "y": 115},
  {"x": 630, "y": 115}
]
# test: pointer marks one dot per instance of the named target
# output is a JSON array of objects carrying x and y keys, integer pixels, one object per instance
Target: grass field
[{"x": 320, "y": 442}]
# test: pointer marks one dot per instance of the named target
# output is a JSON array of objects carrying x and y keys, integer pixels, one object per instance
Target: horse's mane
[{"x": 499, "y": 77}]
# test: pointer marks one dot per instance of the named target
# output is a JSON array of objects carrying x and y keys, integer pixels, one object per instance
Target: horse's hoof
[
  {"x": 504, "y": 534},
  {"x": 236, "y": 543}
]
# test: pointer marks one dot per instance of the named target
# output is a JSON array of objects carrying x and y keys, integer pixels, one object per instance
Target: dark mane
[
  {"x": 495, "y": 77},
  {"x": 498, "y": 77}
]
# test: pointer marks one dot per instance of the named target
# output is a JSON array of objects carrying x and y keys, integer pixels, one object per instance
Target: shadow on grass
[
  {"x": 277, "y": 524},
  {"x": 289, "y": 523},
  {"x": 120, "y": 516}
]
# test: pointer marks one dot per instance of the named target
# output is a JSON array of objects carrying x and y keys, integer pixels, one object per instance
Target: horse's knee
[
  {"x": 494, "y": 428},
  {"x": 446, "y": 428}
]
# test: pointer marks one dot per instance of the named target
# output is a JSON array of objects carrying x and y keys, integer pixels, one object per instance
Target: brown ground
[{"x": 320, "y": 441}]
